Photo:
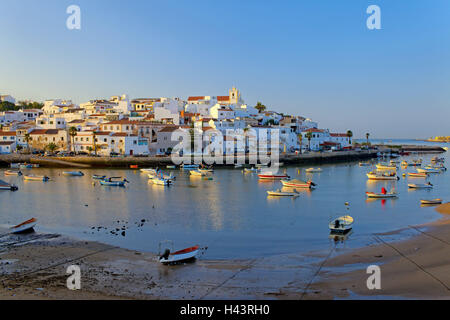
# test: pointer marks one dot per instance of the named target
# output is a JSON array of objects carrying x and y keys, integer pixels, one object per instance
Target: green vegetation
[
  {"x": 51, "y": 147},
  {"x": 260, "y": 107},
  {"x": 8, "y": 106}
]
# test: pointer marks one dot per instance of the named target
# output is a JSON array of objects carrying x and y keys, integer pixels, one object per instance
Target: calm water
[{"x": 231, "y": 214}]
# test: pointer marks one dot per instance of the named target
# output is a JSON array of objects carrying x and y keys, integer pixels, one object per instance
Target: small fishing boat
[
  {"x": 386, "y": 167},
  {"x": 161, "y": 181},
  {"x": 428, "y": 170},
  {"x": 417, "y": 174},
  {"x": 312, "y": 170},
  {"x": 439, "y": 167},
  {"x": 73, "y": 173},
  {"x": 15, "y": 165},
  {"x": 272, "y": 176},
  {"x": 150, "y": 170},
  {"x": 382, "y": 176},
  {"x": 134, "y": 166},
  {"x": 279, "y": 193},
  {"x": 179, "y": 256},
  {"x": 341, "y": 225},
  {"x": 171, "y": 167},
  {"x": 35, "y": 178},
  {"x": 437, "y": 159},
  {"x": 24, "y": 226},
  {"x": 381, "y": 195},
  {"x": 12, "y": 173},
  {"x": 25, "y": 166},
  {"x": 113, "y": 182},
  {"x": 98, "y": 177},
  {"x": 251, "y": 170},
  {"x": 162, "y": 176},
  {"x": 199, "y": 173},
  {"x": 365, "y": 164},
  {"x": 416, "y": 162},
  {"x": 434, "y": 201},
  {"x": 420, "y": 186},
  {"x": 294, "y": 183},
  {"x": 189, "y": 166},
  {"x": 6, "y": 186}
]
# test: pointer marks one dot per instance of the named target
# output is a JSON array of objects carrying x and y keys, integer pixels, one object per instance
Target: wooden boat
[
  {"x": 247, "y": 170},
  {"x": 73, "y": 173},
  {"x": 98, "y": 177},
  {"x": 386, "y": 167},
  {"x": 312, "y": 170},
  {"x": 150, "y": 170},
  {"x": 35, "y": 178},
  {"x": 179, "y": 256},
  {"x": 434, "y": 201},
  {"x": 113, "y": 183},
  {"x": 381, "y": 195},
  {"x": 341, "y": 225},
  {"x": 161, "y": 181},
  {"x": 298, "y": 184},
  {"x": 272, "y": 176},
  {"x": 199, "y": 173},
  {"x": 6, "y": 186},
  {"x": 417, "y": 174},
  {"x": 428, "y": 170},
  {"x": 24, "y": 226},
  {"x": 382, "y": 176},
  {"x": 420, "y": 186},
  {"x": 279, "y": 193},
  {"x": 12, "y": 173}
]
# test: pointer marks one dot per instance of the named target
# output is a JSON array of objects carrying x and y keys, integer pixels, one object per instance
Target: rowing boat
[
  {"x": 113, "y": 183},
  {"x": 341, "y": 225},
  {"x": 382, "y": 176},
  {"x": 381, "y": 195},
  {"x": 6, "y": 186},
  {"x": 179, "y": 256},
  {"x": 428, "y": 170},
  {"x": 36, "y": 178},
  {"x": 98, "y": 177},
  {"x": 272, "y": 176},
  {"x": 417, "y": 175},
  {"x": 312, "y": 170},
  {"x": 12, "y": 173},
  {"x": 298, "y": 184},
  {"x": 420, "y": 186},
  {"x": 434, "y": 201},
  {"x": 279, "y": 193},
  {"x": 73, "y": 173},
  {"x": 24, "y": 226}
]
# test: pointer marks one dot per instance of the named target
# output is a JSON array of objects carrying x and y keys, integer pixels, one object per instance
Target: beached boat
[
  {"x": 341, "y": 225},
  {"x": 434, "y": 201},
  {"x": 386, "y": 167},
  {"x": 73, "y": 173},
  {"x": 279, "y": 193},
  {"x": 113, "y": 182},
  {"x": 98, "y": 177},
  {"x": 381, "y": 195},
  {"x": 313, "y": 170},
  {"x": 35, "y": 178},
  {"x": 179, "y": 256},
  {"x": 294, "y": 183},
  {"x": 14, "y": 165},
  {"x": 6, "y": 186},
  {"x": 420, "y": 186},
  {"x": 382, "y": 176},
  {"x": 24, "y": 226},
  {"x": 417, "y": 175},
  {"x": 12, "y": 173}
]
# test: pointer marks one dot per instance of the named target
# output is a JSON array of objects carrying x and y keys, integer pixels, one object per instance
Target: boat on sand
[
  {"x": 24, "y": 226},
  {"x": 184, "y": 255}
]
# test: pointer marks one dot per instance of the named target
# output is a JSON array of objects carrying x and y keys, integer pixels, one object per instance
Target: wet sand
[{"x": 34, "y": 266}]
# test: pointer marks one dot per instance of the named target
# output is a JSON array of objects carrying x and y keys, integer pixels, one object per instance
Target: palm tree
[
  {"x": 27, "y": 139},
  {"x": 300, "y": 141},
  {"x": 367, "y": 137},
  {"x": 94, "y": 137},
  {"x": 51, "y": 147},
  {"x": 350, "y": 135},
  {"x": 72, "y": 133},
  {"x": 309, "y": 136},
  {"x": 260, "y": 107}
]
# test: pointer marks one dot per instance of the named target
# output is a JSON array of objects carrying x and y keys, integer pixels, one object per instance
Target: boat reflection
[{"x": 339, "y": 237}]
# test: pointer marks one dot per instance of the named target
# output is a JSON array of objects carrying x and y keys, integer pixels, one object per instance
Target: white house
[
  {"x": 7, "y": 147},
  {"x": 51, "y": 121}
]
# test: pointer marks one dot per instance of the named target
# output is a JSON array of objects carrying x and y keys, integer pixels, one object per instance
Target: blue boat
[
  {"x": 97, "y": 177},
  {"x": 113, "y": 183}
]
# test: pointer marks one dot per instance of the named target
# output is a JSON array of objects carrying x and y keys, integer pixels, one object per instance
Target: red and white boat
[
  {"x": 179, "y": 256},
  {"x": 24, "y": 226},
  {"x": 298, "y": 184},
  {"x": 272, "y": 176}
]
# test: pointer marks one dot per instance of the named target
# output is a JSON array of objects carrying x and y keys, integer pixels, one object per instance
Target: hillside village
[{"x": 141, "y": 127}]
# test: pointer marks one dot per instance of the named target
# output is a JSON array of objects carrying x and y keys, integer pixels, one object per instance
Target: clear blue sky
[{"x": 314, "y": 58}]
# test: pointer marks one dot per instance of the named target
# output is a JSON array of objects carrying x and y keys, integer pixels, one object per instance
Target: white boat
[
  {"x": 73, "y": 173},
  {"x": 381, "y": 195},
  {"x": 247, "y": 170},
  {"x": 12, "y": 173},
  {"x": 113, "y": 182},
  {"x": 420, "y": 170},
  {"x": 420, "y": 186},
  {"x": 434, "y": 201},
  {"x": 6, "y": 186},
  {"x": 268, "y": 175},
  {"x": 198, "y": 173},
  {"x": 365, "y": 164},
  {"x": 179, "y": 256},
  {"x": 149, "y": 170},
  {"x": 237, "y": 166},
  {"x": 294, "y": 183},
  {"x": 341, "y": 225},
  {"x": 161, "y": 181},
  {"x": 417, "y": 175},
  {"x": 161, "y": 175},
  {"x": 386, "y": 167},
  {"x": 279, "y": 193},
  {"x": 312, "y": 170},
  {"x": 382, "y": 176},
  {"x": 189, "y": 166},
  {"x": 171, "y": 167},
  {"x": 35, "y": 178},
  {"x": 24, "y": 226}
]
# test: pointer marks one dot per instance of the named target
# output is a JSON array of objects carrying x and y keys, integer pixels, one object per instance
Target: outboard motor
[
  {"x": 336, "y": 224},
  {"x": 165, "y": 255}
]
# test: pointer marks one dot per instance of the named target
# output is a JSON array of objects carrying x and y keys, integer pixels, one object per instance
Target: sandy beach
[{"x": 34, "y": 266}]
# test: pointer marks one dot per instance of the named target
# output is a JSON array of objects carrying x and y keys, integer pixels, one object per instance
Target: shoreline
[{"x": 34, "y": 267}]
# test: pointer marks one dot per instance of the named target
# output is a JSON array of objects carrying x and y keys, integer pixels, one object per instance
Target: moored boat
[
  {"x": 179, "y": 256},
  {"x": 35, "y": 178},
  {"x": 382, "y": 176},
  {"x": 199, "y": 173},
  {"x": 24, "y": 226},
  {"x": 98, "y": 177},
  {"x": 73, "y": 173},
  {"x": 134, "y": 166},
  {"x": 272, "y": 176},
  {"x": 279, "y": 193},
  {"x": 113, "y": 182},
  {"x": 420, "y": 186},
  {"x": 365, "y": 164},
  {"x": 6, "y": 186},
  {"x": 425, "y": 170},
  {"x": 313, "y": 170},
  {"x": 294, "y": 183},
  {"x": 12, "y": 173},
  {"x": 25, "y": 166},
  {"x": 341, "y": 225},
  {"x": 417, "y": 175},
  {"x": 381, "y": 195},
  {"x": 189, "y": 166},
  {"x": 247, "y": 170},
  {"x": 434, "y": 201},
  {"x": 161, "y": 181},
  {"x": 386, "y": 167}
]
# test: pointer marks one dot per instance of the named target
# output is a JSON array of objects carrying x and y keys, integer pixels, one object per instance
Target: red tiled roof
[
  {"x": 196, "y": 98},
  {"x": 343, "y": 135},
  {"x": 223, "y": 98},
  {"x": 45, "y": 131},
  {"x": 7, "y": 133},
  {"x": 169, "y": 129},
  {"x": 314, "y": 130},
  {"x": 6, "y": 143}
]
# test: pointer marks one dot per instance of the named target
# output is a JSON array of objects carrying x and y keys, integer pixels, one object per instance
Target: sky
[{"x": 314, "y": 58}]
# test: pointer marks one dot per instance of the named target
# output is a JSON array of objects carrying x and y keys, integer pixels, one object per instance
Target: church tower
[{"x": 235, "y": 96}]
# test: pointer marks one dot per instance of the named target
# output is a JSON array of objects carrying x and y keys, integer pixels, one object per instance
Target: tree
[
  {"x": 27, "y": 139},
  {"x": 7, "y": 106},
  {"x": 72, "y": 133},
  {"x": 350, "y": 135},
  {"x": 300, "y": 141},
  {"x": 29, "y": 105},
  {"x": 260, "y": 107},
  {"x": 94, "y": 137},
  {"x": 51, "y": 147},
  {"x": 367, "y": 137},
  {"x": 309, "y": 136}
]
